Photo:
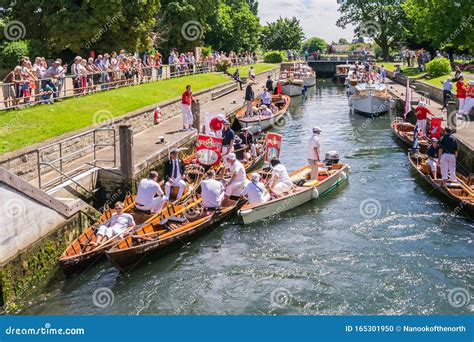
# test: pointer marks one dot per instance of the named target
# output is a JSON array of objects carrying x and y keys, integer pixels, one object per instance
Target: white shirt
[
  {"x": 280, "y": 171},
  {"x": 147, "y": 190},
  {"x": 121, "y": 221},
  {"x": 212, "y": 193},
  {"x": 312, "y": 143},
  {"x": 239, "y": 170},
  {"x": 266, "y": 97},
  {"x": 255, "y": 192}
]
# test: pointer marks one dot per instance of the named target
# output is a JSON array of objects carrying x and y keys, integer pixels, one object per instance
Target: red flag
[
  {"x": 435, "y": 130},
  {"x": 273, "y": 146},
  {"x": 208, "y": 150},
  {"x": 279, "y": 88}
]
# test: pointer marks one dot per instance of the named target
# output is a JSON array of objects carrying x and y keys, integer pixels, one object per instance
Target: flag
[
  {"x": 279, "y": 89},
  {"x": 415, "y": 138},
  {"x": 208, "y": 150},
  {"x": 273, "y": 146},
  {"x": 407, "y": 99},
  {"x": 435, "y": 130}
]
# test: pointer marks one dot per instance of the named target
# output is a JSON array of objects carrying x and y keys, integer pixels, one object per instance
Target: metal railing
[
  {"x": 93, "y": 82},
  {"x": 62, "y": 159}
]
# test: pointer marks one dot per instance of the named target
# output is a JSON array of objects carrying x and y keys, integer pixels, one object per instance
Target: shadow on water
[{"x": 375, "y": 245}]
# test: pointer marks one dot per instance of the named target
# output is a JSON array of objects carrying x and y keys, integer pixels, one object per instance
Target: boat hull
[
  {"x": 269, "y": 210},
  {"x": 310, "y": 81},
  {"x": 255, "y": 126},
  {"x": 292, "y": 89},
  {"x": 368, "y": 105}
]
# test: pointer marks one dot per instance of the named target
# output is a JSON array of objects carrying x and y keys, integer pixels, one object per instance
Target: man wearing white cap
[
  {"x": 421, "y": 115},
  {"x": 174, "y": 174},
  {"x": 216, "y": 125},
  {"x": 314, "y": 152},
  {"x": 255, "y": 191},
  {"x": 237, "y": 178}
]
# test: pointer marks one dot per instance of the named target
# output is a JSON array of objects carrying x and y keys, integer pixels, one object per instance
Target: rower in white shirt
[
  {"x": 255, "y": 191},
  {"x": 212, "y": 191},
  {"x": 149, "y": 195},
  {"x": 174, "y": 174},
  {"x": 280, "y": 183},
  {"x": 314, "y": 152},
  {"x": 237, "y": 178}
]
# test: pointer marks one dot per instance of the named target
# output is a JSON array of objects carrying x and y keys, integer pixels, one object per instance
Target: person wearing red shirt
[
  {"x": 421, "y": 115},
  {"x": 461, "y": 94},
  {"x": 469, "y": 102},
  {"x": 216, "y": 125},
  {"x": 186, "y": 100}
]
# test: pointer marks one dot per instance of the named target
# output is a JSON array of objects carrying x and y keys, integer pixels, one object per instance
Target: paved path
[{"x": 144, "y": 143}]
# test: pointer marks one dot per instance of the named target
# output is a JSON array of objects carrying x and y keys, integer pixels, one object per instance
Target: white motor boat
[{"x": 369, "y": 99}]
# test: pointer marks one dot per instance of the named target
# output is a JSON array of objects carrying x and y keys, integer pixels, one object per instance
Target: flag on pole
[
  {"x": 407, "y": 99},
  {"x": 415, "y": 138},
  {"x": 273, "y": 146}
]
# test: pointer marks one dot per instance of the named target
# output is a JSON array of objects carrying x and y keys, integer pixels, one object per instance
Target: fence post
[
  {"x": 127, "y": 166},
  {"x": 196, "y": 110},
  {"x": 452, "y": 115}
]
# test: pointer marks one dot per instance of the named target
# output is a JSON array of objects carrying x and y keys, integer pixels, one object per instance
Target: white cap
[
  {"x": 316, "y": 129},
  {"x": 231, "y": 156},
  {"x": 255, "y": 177},
  {"x": 220, "y": 117},
  {"x": 421, "y": 103}
]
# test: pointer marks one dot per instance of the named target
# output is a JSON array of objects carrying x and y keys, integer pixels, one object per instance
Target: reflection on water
[{"x": 372, "y": 246}]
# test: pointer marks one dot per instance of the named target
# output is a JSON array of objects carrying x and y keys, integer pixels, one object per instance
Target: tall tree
[
  {"x": 314, "y": 44},
  {"x": 343, "y": 41},
  {"x": 381, "y": 20},
  {"x": 253, "y": 5},
  {"x": 447, "y": 24},
  {"x": 282, "y": 34}
]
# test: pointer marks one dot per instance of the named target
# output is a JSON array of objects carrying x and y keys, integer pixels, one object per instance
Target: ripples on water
[{"x": 373, "y": 246}]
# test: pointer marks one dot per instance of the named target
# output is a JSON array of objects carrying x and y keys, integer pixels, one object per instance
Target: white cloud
[{"x": 317, "y": 17}]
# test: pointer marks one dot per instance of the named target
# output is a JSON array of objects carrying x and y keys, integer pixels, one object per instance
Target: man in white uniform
[
  {"x": 280, "y": 183},
  {"x": 255, "y": 191},
  {"x": 118, "y": 224},
  {"x": 174, "y": 174},
  {"x": 212, "y": 191},
  {"x": 237, "y": 178},
  {"x": 149, "y": 194},
  {"x": 314, "y": 152}
]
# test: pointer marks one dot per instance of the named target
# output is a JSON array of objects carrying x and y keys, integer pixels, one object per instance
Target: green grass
[
  {"x": 20, "y": 128},
  {"x": 244, "y": 70}
]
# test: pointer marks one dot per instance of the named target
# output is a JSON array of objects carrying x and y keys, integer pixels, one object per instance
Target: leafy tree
[
  {"x": 283, "y": 34},
  {"x": 384, "y": 21},
  {"x": 315, "y": 44},
  {"x": 343, "y": 41},
  {"x": 447, "y": 24},
  {"x": 253, "y": 5}
]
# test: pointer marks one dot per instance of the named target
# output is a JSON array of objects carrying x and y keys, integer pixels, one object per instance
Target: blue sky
[{"x": 318, "y": 17}]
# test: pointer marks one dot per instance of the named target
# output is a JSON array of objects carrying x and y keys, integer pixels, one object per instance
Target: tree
[
  {"x": 253, "y": 5},
  {"x": 315, "y": 44},
  {"x": 447, "y": 24},
  {"x": 343, "y": 41},
  {"x": 381, "y": 20},
  {"x": 234, "y": 27},
  {"x": 283, "y": 34},
  {"x": 82, "y": 25}
]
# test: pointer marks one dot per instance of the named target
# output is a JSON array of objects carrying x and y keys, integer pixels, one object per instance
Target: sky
[{"x": 317, "y": 17}]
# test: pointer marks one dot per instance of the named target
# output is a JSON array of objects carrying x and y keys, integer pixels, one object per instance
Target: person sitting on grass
[{"x": 117, "y": 225}]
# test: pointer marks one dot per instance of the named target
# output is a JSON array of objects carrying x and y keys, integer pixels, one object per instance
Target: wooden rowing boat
[
  {"x": 460, "y": 193},
  {"x": 405, "y": 132},
  {"x": 330, "y": 177},
  {"x": 175, "y": 227},
  {"x": 82, "y": 252},
  {"x": 257, "y": 122}
]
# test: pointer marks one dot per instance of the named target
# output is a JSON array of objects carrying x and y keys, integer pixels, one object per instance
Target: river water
[{"x": 383, "y": 243}]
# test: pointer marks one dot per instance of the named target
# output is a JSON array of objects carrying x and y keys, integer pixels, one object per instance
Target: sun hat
[{"x": 231, "y": 156}]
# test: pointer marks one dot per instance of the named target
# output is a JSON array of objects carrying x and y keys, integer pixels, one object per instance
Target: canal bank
[
  {"x": 84, "y": 168},
  {"x": 374, "y": 246}
]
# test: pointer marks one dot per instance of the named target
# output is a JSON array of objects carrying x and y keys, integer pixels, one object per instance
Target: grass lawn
[
  {"x": 20, "y": 128},
  {"x": 244, "y": 70}
]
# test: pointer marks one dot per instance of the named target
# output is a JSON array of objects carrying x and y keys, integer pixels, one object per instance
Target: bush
[
  {"x": 12, "y": 52},
  {"x": 274, "y": 57},
  {"x": 315, "y": 44},
  {"x": 438, "y": 67},
  {"x": 223, "y": 65},
  {"x": 206, "y": 51}
]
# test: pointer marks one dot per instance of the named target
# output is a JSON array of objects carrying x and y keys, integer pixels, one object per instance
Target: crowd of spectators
[{"x": 41, "y": 83}]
